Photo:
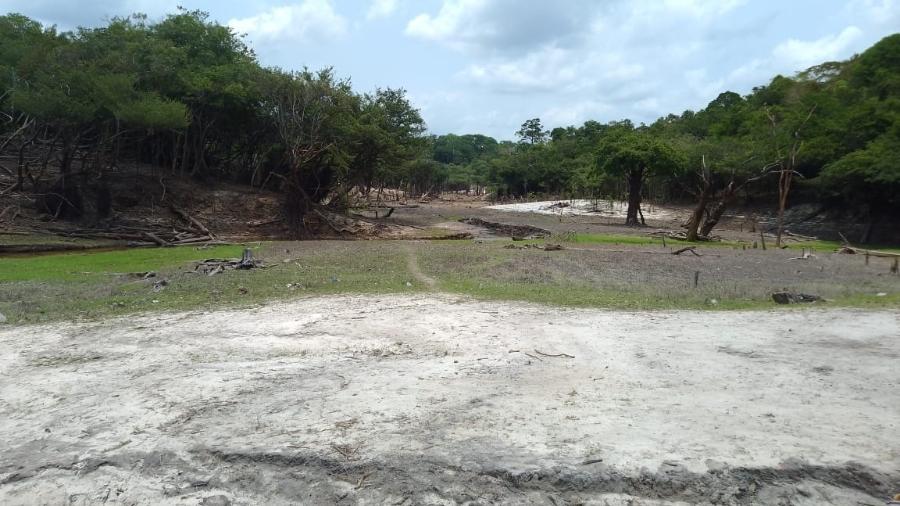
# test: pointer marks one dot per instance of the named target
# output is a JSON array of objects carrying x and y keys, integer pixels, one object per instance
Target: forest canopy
[{"x": 186, "y": 94}]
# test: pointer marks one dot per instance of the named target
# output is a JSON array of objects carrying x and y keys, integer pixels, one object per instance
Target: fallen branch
[
  {"x": 193, "y": 221},
  {"x": 157, "y": 239},
  {"x": 214, "y": 266},
  {"x": 552, "y": 355},
  {"x": 692, "y": 249},
  {"x": 852, "y": 250},
  {"x": 264, "y": 222}
]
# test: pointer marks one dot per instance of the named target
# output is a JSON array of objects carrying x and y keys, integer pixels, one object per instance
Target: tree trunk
[
  {"x": 635, "y": 181},
  {"x": 784, "y": 187},
  {"x": 693, "y": 224},
  {"x": 718, "y": 210}
]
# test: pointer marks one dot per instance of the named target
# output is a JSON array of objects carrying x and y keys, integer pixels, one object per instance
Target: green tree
[
  {"x": 636, "y": 155},
  {"x": 532, "y": 132}
]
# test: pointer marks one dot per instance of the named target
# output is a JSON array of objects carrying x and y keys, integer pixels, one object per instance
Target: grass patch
[
  {"x": 86, "y": 285},
  {"x": 84, "y": 265},
  {"x": 575, "y": 295},
  {"x": 643, "y": 240},
  {"x": 89, "y": 284}
]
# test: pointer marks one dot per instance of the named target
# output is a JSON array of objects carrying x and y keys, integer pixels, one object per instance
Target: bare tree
[{"x": 786, "y": 163}]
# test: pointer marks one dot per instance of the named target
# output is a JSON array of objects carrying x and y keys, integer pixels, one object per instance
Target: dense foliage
[
  {"x": 834, "y": 129},
  {"x": 188, "y": 95}
]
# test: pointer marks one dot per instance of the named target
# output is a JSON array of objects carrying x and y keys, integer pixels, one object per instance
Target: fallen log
[
  {"x": 508, "y": 230},
  {"x": 157, "y": 239},
  {"x": 263, "y": 222},
  {"x": 794, "y": 298},
  {"x": 692, "y": 249},
  {"x": 850, "y": 250},
  {"x": 214, "y": 266},
  {"x": 192, "y": 240},
  {"x": 190, "y": 219}
]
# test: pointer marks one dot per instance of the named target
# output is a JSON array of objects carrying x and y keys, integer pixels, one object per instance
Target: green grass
[
  {"x": 644, "y": 240},
  {"x": 90, "y": 285},
  {"x": 97, "y": 285},
  {"x": 84, "y": 265},
  {"x": 575, "y": 295}
]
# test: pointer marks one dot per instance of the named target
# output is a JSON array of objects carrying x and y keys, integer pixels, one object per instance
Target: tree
[
  {"x": 313, "y": 113},
  {"x": 532, "y": 132},
  {"x": 786, "y": 145},
  {"x": 869, "y": 178},
  {"x": 636, "y": 155}
]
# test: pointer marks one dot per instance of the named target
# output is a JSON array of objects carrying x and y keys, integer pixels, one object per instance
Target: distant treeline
[
  {"x": 188, "y": 95},
  {"x": 833, "y": 130}
]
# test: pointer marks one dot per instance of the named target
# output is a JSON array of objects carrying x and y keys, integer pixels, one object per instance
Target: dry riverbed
[{"x": 436, "y": 399}]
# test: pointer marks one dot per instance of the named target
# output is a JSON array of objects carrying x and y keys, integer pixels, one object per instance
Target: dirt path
[
  {"x": 440, "y": 400},
  {"x": 412, "y": 263}
]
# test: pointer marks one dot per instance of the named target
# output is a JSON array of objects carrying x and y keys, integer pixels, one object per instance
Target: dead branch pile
[
  {"x": 214, "y": 266},
  {"x": 850, "y": 250},
  {"x": 543, "y": 247},
  {"x": 691, "y": 249},
  {"x": 679, "y": 236},
  {"x": 188, "y": 230},
  {"x": 794, "y": 298},
  {"x": 507, "y": 230}
]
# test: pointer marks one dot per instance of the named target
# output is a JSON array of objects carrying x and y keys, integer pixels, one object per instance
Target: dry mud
[{"x": 441, "y": 400}]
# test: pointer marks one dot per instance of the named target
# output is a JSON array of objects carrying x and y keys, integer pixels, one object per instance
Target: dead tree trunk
[
  {"x": 718, "y": 210},
  {"x": 635, "y": 181},
  {"x": 706, "y": 190}
]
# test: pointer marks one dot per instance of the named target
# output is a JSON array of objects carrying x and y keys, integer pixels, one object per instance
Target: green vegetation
[
  {"x": 835, "y": 126},
  {"x": 186, "y": 94},
  {"x": 633, "y": 276},
  {"x": 639, "y": 240},
  {"x": 82, "y": 266}
]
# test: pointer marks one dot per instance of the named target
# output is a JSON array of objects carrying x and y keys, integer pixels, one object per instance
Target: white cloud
[
  {"x": 70, "y": 14},
  {"x": 449, "y": 21},
  {"x": 381, "y": 9},
  {"x": 553, "y": 69},
  {"x": 879, "y": 12},
  {"x": 305, "y": 20},
  {"x": 794, "y": 55},
  {"x": 502, "y": 26},
  {"x": 702, "y": 8},
  {"x": 799, "y": 55}
]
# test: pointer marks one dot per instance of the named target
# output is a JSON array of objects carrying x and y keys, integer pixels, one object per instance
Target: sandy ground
[{"x": 439, "y": 400}]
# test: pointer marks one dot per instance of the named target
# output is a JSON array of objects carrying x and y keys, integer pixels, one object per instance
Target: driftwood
[
  {"x": 157, "y": 239},
  {"x": 692, "y": 249},
  {"x": 460, "y": 236},
  {"x": 193, "y": 221},
  {"x": 509, "y": 230},
  {"x": 543, "y": 247},
  {"x": 263, "y": 222},
  {"x": 214, "y": 266},
  {"x": 852, "y": 250},
  {"x": 794, "y": 298},
  {"x": 554, "y": 355}
]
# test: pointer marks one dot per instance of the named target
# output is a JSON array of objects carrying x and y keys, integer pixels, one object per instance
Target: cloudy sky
[{"x": 487, "y": 65}]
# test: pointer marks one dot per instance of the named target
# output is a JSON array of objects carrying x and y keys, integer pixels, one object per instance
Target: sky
[{"x": 486, "y": 66}]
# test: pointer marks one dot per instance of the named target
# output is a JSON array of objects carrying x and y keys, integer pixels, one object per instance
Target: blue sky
[{"x": 486, "y": 66}]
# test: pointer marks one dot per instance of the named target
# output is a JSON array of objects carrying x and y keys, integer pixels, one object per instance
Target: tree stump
[{"x": 246, "y": 260}]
